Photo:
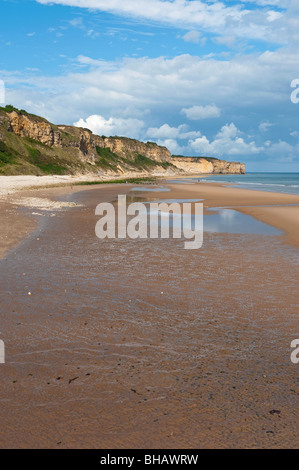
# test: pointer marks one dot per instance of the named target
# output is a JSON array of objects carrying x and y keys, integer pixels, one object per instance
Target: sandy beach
[{"x": 139, "y": 343}]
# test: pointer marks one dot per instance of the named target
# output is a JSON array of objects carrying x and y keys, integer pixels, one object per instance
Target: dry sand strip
[
  {"x": 268, "y": 207},
  {"x": 11, "y": 184}
]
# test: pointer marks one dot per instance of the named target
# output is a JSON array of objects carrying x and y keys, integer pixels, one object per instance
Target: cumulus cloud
[
  {"x": 173, "y": 146},
  {"x": 228, "y": 141},
  {"x": 112, "y": 126},
  {"x": 168, "y": 132},
  {"x": 140, "y": 93},
  {"x": 228, "y": 41},
  {"x": 194, "y": 36},
  {"x": 265, "y": 126},
  {"x": 201, "y": 112},
  {"x": 282, "y": 151},
  {"x": 160, "y": 85}
]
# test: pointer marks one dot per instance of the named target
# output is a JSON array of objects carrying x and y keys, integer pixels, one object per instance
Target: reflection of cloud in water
[
  {"x": 228, "y": 215},
  {"x": 232, "y": 221},
  {"x": 142, "y": 189}
]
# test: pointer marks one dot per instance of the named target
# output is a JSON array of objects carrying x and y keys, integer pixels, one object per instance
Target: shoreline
[{"x": 268, "y": 207}]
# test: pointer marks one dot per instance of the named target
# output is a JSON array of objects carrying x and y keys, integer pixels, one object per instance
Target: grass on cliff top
[
  {"x": 25, "y": 155},
  {"x": 9, "y": 108},
  {"x": 209, "y": 159}
]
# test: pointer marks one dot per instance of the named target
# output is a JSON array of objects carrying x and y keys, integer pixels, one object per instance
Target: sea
[{"x": 278, "y": 182}]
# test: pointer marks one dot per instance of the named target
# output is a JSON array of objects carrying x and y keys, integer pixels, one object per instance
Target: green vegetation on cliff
[
  {"x": 72, "y": 152},
  {"x": 30, "y": 144}
]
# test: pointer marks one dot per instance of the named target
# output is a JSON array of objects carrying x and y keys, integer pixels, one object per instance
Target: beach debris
[
  {"x": 273, "y": 412},
  {"x": 72, "y": 380},
  {"x": 44, "y": 203},
  {"x": 135, "y": 391}
]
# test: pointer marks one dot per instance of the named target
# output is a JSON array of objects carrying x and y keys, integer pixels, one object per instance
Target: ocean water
[{"x": 277, "y": 182}]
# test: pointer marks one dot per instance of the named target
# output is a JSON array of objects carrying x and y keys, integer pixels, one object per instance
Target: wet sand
[{"x": 142, "y": 344}]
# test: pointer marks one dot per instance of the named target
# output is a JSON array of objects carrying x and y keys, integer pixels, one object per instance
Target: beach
[{"x": 139, "y": 343}]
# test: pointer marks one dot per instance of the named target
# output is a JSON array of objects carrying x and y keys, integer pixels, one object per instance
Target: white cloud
[
  {"x": 167, "y": 132},
  {"x": 160, "y": 85},
  {"x": 201, "y": 112},
  {"x": 172, "y": 146},
  {"x": 195, "y": 37},
  {"x": 112, "y": 126},
  {"x": 76, "y": 22},
  {"x": 213, "y": 16},
  {"x": 274, "y": 15},
  {"x": 265, "y": 126},
  {"x": 139, "y": 93},
  {"x": 227, "y": 142},
  {"x": 228, "y": 41},
  {"x": 282, "y": 151}
]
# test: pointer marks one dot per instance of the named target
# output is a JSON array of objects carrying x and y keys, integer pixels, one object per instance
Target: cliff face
[
  {"x": 70, "y": 149},
  {"x": 222, "y": 166},
  {"x": 193, "y": 165},
  {"x": 83, "y": 140},
  {"x": 209, "y": 166},
  {"x": 42, "y": 131},
  {"x": 128, "y": 147}
]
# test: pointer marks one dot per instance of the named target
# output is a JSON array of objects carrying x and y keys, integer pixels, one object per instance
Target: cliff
[
  {"x": 30, "y": 144},
  {"x": 207, "y": 165}
]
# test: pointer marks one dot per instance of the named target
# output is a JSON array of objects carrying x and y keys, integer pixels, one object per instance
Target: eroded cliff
[
  {"x": 207, "y": 165},
  {"x": 31, "y": 144}
]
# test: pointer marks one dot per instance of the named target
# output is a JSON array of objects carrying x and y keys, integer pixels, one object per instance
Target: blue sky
[{"x": 201, "y": 77}]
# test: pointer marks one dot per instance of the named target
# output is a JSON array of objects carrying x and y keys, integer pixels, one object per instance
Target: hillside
[{"x": 31, "y": 145}]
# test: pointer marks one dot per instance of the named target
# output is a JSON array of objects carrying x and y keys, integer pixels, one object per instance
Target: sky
[{"x": 202, "y": 77}]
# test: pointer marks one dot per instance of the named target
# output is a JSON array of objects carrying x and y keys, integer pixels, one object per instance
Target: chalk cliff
[{"x": 32, "y": 144}]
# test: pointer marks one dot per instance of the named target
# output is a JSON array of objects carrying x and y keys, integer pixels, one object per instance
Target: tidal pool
[{"x": 232, "y": 221}]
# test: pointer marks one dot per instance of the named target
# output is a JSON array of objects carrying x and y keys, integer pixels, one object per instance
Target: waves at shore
[{"x": 278, "y": 182}]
